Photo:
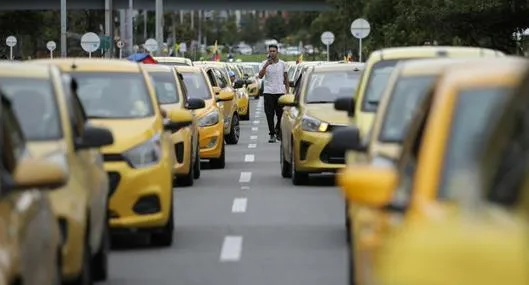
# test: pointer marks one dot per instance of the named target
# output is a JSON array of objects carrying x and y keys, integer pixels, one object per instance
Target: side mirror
[
  {"x": 177, "y": 119},
  {"x": 345, "y": 104},
  {"x": 368, "y": 185},
  {"x": 239, "y": 83},
  {"x": 292, "y": 83},
  {"x": 195, "y": 103},
  {"x": 286, "y": 100},
  {"x": 216, "y": 90},
  {"x": 347, "y": 138},
  {"x": 33, "y": 173},
  {"x": 94, "y": 137},
  {"x": 225, "y": 96}
]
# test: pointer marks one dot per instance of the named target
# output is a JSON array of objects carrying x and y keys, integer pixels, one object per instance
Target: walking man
[{"x": 275, "y": 83}]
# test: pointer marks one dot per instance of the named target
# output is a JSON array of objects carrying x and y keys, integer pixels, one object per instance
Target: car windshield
[
  {"x": 114, "y": 95},
  {"x": 196, "y": 85},
  {"x": 471, "y": 120},
  {"x": 326, "y": 87},
  {"x": 378, "y": 79},
  {"x": 35, "y": 106},
  {"x": 405, "y": 98},
  {"x": 166, "y": 90}
]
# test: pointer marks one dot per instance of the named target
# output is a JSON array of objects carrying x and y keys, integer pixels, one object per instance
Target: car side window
[
  {"x": 183, "y": 87},
  {"x": 76, "y": 120},
  {"x": 211, "y": 78},
  {"x": 14, "y": 138},
  {"x": 222, "y": 81}
]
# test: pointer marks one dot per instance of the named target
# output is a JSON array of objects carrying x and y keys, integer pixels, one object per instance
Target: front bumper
[
  {"x": 182, "y": 142},
  {"x": 313, "y": 153},
  {"x": 211, "y": 141},
  {"x": 140, "y": 198}
]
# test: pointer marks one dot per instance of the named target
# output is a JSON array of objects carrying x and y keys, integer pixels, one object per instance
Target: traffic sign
[
  {"x": 11, "y": 41},
  {"x": 90, "y": 42},
  {"x": 327, "y": 38},
  {"x": 360, "y": 28},
  {"x": 120, "y": 44},
  {"x": 183, "y": 47},
  {"x": 51, "y": 45},
  {"x": 151, "y": 45}
]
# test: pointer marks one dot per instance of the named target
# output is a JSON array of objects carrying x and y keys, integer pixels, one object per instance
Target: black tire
[
  {"x": 197, "y": 163},
  {"x": 235, "y": 131},
  {"x": 219, "y": 163},
  {"x": 286, "y": 172},
  {"x": 298, "y": 178},
  {"x": 100, "y": 260},
  {"x": 165, "y": 237},
  {"x": 347, "y": 224},
  {"x": 188, "y": 179}
]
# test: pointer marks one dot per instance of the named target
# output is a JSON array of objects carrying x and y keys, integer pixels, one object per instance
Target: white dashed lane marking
[
  {"x": 239, "y": 205},
  {"x": 255, "y": 129},
  {"x": 253, "y": 137},
  {"x": 252, "y": 145},
  {"x": 231, "y": 249},
  {"x": 249, "y": 158},
  {"x": 256, "y": 122},
  {"x": 245, "y": 177}
]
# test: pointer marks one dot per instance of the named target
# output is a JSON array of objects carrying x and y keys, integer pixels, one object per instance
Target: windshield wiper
[{"x": 319, "y": 102}]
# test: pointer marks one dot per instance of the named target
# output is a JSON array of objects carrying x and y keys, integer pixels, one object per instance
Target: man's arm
[
  {"x": 262, "y": 72},
  {"x": 285, "y": 81}
]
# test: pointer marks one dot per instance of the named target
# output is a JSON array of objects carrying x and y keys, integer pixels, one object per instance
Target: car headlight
[
  {"x": 145, "y": 154},
  {"x": 212, "y": 118},
  {"x": 311, "y": 124}
]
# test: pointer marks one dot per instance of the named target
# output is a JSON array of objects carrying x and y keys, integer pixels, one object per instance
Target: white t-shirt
[{"x": 274, "y": 79}]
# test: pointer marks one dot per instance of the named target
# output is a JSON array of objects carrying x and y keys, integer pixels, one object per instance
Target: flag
[{"x": 216, "y": 53}]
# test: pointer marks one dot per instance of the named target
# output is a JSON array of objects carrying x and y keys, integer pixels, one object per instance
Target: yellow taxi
[
  {"x": 211, "y": 117},
  {"x": 172, "y": 94},
  {"x": 486, "y": 243},
  {"x": 173, "y": 61},
  {"x": 220, "y": 82},
  {"x": 121, "y": 96},
  {"x": 407, "y": 86},
  {"x": 55, "y": 126},
  {"x": 309, "y": 118},
  {"x": 378, "y": 69},
  {"x": 251, "y": 81},
  {"x": 438, "y": 151},
  {"x": 30, "y": 238}
]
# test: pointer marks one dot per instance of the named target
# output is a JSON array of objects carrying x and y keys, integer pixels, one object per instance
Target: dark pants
[{"x": 272, "y": 108}]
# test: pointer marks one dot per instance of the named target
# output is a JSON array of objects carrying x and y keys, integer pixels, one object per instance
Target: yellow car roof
[
  {"x": 338, "y": 66},
  {"x": 486, "y": 72},
  {"x": 22, "y": 69},
  {"x": 157, "y": 68},
  {"x": 431, "y": 66},
  {"x": 92, "y": 65},
  {"x": 188, "y": 69},
  {"x": 425, "y": 51}
]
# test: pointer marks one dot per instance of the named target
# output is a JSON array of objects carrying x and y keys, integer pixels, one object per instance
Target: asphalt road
[{"x": 245, "y": 224}]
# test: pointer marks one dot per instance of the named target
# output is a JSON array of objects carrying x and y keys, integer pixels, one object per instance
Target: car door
[
  {"x": 28, "y": 229},
  {"x": 91, "y": 160}
]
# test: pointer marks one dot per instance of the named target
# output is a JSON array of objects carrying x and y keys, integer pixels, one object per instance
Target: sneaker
[{"x": 272, "y": 139}]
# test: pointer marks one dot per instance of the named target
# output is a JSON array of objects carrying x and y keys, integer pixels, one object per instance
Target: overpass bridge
[
  {"x": 159, "y": 6},
  {"x": 284, "y": 5}
]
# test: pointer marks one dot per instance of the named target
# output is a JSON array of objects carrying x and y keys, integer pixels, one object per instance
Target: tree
[
  {"x": 250, "y": 31},
  {"x": 275, "y": 27}
]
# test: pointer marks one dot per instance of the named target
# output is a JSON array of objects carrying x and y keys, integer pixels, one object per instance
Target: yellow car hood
[
  {"x": 327, "y": 113},
  {"x": 128, "y": 133},
  {"x": 208, "y": 106}
]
